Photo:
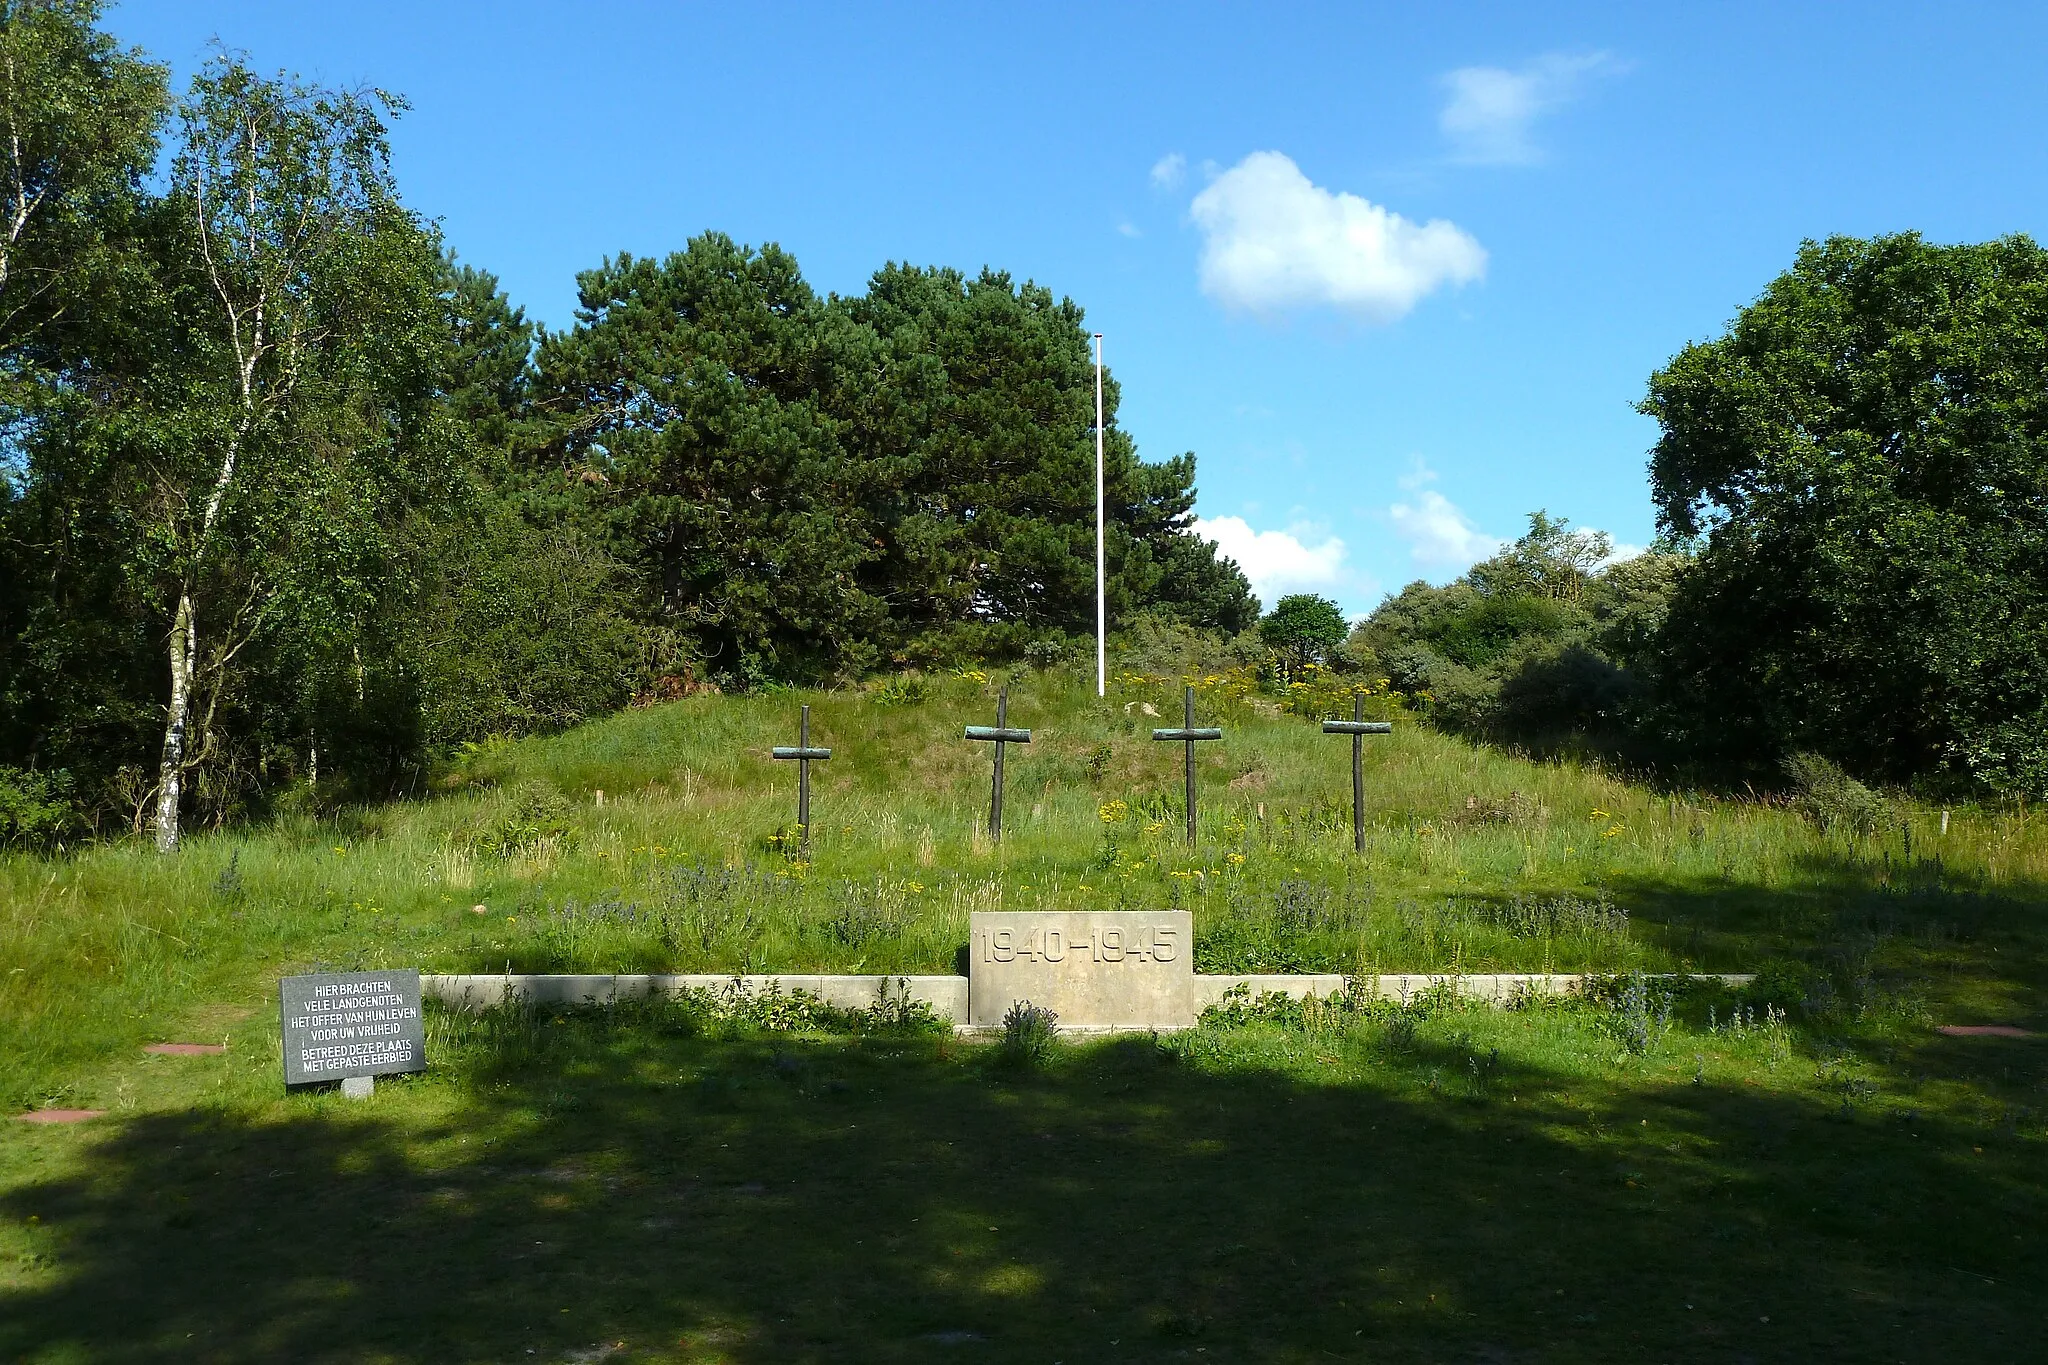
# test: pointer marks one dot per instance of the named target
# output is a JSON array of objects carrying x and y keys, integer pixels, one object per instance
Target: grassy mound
[
  {"x": 665, "y": 840},
  {"x": 1808, "y": 1169}
]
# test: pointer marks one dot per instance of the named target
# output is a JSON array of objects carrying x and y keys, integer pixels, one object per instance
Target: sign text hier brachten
[{"x": 342, "y": 1024}]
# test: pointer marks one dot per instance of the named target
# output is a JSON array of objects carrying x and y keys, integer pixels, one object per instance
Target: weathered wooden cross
[
  {"x": 1358, "y": 727},
  {"x": 803, "y": 753},
  {"x": 999, "y": 734},
  {"x": 1188, "y": 734}
]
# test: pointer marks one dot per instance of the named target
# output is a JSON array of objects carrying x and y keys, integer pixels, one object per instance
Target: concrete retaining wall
[{"x": 947, "y": 995}]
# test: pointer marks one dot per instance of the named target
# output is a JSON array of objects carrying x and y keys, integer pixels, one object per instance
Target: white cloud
[
  {"x": 1129, "y": 229},
  {"x": 1273, "y": 240},
  {"x": 1168, "y": 170},
  {"x": 1277, "y": 562},
  {"x": 1623, "y": 552},
  {"x": 1439, "y": 536},
  {"x": 1491, "y": 115}
]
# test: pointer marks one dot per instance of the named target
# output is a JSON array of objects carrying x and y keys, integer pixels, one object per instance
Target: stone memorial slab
[
  {"x": 342, "y": 1024},
  {"x": 1095, "y": 969}
]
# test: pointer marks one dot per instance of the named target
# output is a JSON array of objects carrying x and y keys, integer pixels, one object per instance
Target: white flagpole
[{"x": 1101, "y": 638}]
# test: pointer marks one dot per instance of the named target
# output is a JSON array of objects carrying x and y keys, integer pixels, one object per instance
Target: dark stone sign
[{"x": 342, "y": 1024}]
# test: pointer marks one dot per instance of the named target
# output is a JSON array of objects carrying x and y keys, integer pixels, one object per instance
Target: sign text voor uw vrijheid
[{"x": 342, "y": 1024}]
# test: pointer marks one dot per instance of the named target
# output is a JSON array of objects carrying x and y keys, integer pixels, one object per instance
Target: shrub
[
  {"x": 905, "y": 689},
  {"x": 1028, "y": 1032},
  {"x": 35, "y": 808},
  {"x": 1832, "y": 799},
  {"x": 532, "y": 815}
]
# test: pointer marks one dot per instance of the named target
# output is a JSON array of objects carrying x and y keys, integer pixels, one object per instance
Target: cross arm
[
  {"x": 781, "y": 751},
  {"x": 1358, "y": 727},
  {"x": 1188, "y": 733},
  {"x": 999, "y": 733}
]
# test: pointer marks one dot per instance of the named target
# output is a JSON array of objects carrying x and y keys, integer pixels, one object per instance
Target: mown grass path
[{"x": 568, "y": 1187}]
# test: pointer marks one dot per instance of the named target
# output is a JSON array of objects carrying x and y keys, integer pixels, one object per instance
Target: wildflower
[
  {"x": 1112, "y": 812},
  {"x": 1234, "y": 859},
  {"x": 1155, "y": 826}
]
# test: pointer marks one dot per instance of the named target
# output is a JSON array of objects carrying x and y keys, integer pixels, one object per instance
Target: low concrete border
[{"x": 947, "y": 995}]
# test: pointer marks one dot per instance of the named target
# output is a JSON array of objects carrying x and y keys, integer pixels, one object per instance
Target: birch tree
[{"x": 292, "y": 436}]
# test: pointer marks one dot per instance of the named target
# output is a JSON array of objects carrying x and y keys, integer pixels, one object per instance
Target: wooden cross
[
  {"x": 803, "y": 753},
  {"x": 999, "y": 734},
  {"x": 1358, "y": 727},
  {"x": 1188, "y": 734}
]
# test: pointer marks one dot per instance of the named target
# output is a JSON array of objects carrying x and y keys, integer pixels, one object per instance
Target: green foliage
[
  {"x": 1832, "y": 799},
  {"x": 532, "y": 816},
  {"x": 904, "y": 689},
  {"x": 1866, "y": 450},
  {"x": 36, "y": 808},
  {"x": 1303, "y": 629},
  {"x": 1638, "y": 1014},
  {"x": 1541, "y": 644},
  {"x": 263, "y": 439},
  {"x": 522, "y": 631},
  {"x": 79, "y": 117},
  {"x": 1030, "y": 1032},
  {"x": 816, "y": 486}
]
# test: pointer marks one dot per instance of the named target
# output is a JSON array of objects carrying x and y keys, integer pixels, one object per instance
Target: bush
[
  {"x": 1832, "y": 799},
  {"x": 1028, "y": 1032},
  {"x": 36, "y": 809},
  {"x": 533, "y": 815}
]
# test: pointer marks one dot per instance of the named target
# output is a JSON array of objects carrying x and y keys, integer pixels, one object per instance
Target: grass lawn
[{"x": 1557, "y": 1184}]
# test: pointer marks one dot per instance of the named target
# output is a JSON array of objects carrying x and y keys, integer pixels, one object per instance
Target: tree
[
  {"x": 986, "y": 411},
  {"x": 1866, "y": 451},
  {"x": 1304, "y": 628},
  {"x": 823, "y": 485},
  {"x": 694, "y": 403},
  {"x": 79, "y": 119},
  {"x": 78, "y": 124},
  {"x": 487, "y": 389},
  {"x": 289, "y": 408}
]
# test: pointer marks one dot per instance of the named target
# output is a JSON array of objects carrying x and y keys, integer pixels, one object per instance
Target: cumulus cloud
[
  {"x": 1439, "y": 535},
  {"x": 1273, "y": 240},
  {"x": 1277, "y": 562},
  {"x": 1168, "y": 170},
  {"x": 1491, "y": 114}
]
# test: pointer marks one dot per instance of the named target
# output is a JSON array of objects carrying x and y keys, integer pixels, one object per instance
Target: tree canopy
[
  {"x": 1866, "y": 451},
  {"x": 1303, "y": 628},
  {"x": 819, "y": 485}
]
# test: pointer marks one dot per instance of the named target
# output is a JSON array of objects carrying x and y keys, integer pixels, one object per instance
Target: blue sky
[{"x": 1396, "y": 273}]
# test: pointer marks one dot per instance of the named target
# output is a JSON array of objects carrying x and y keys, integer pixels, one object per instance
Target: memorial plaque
[
  {"x": 1095, "y": 969},
  {"x": 342, "y": 1024}
]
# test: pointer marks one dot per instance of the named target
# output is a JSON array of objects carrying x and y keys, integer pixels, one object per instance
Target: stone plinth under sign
[{"x": 1130, "y": 969}]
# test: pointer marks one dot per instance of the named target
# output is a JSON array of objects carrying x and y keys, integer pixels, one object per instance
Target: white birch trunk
[{"x": 170, "y": 787}]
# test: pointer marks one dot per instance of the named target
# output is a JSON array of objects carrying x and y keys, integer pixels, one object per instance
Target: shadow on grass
[
  {"x": 1973, "y": 951},
  {"x": 581, "y": 1189}
]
